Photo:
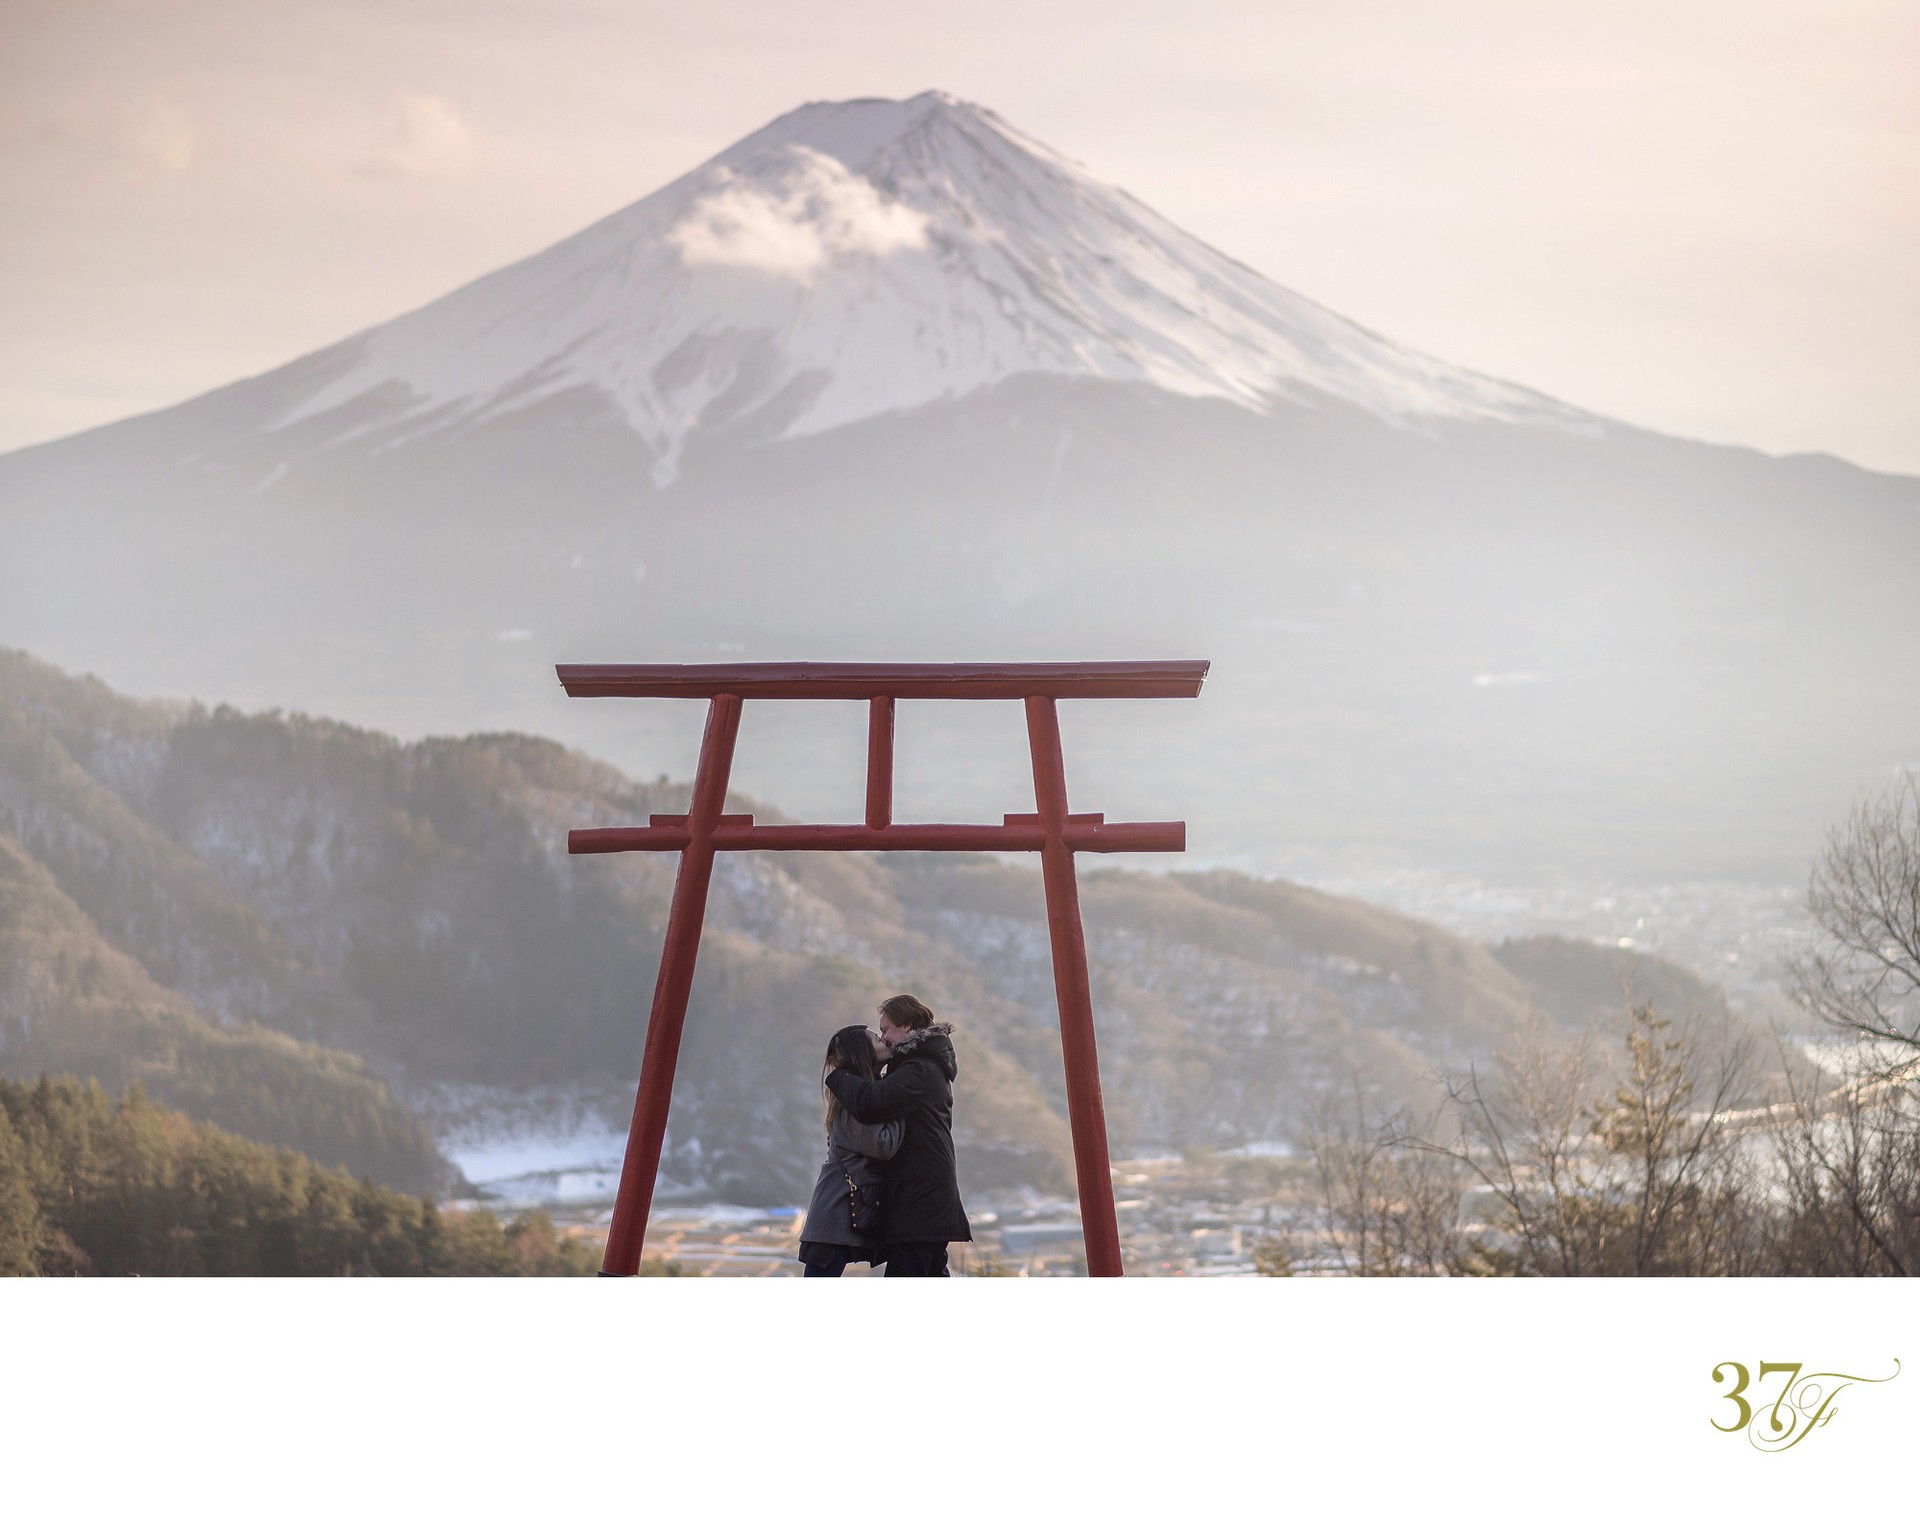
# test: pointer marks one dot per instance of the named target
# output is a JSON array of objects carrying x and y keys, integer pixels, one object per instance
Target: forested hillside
[
  {"x": 72, "y": 1001},
  {"x": 182, "y": 890},
  {"x": 1571, "y": 981},
  {"x": 95, "y": 1186}
]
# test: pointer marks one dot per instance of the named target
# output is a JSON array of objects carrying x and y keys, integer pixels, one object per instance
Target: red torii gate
[{"x": 1052, "y": 832}]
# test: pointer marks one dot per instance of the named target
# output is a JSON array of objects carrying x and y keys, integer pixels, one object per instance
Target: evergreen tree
[
  {"x": 19, "y": 1210},
  {"x": 94, "y": 1185}
]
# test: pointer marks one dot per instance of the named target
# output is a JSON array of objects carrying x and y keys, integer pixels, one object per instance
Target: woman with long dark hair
[{"x": 842, "y": 1222}]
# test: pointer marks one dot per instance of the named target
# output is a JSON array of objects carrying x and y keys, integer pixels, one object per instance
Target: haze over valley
[{"x": 326, "y": 939}]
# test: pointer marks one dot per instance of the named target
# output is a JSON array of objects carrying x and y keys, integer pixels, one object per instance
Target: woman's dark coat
[
  {"x": 853, "y": 1150},
  {"x": 922, "y": 1192}
]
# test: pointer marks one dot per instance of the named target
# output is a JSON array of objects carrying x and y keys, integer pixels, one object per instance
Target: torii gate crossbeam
[{"x": 1051, "y": 831}]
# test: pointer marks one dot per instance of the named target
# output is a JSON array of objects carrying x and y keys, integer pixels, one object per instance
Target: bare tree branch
[{"x": 1863, "y": 975}]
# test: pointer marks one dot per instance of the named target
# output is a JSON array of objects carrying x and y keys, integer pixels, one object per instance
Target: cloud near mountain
[{"x": 817, "y": 212}]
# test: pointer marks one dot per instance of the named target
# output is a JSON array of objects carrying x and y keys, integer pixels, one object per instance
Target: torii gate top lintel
[
  {"x": 1051, "y": 831},
  {"x": 885, "y": 680}
]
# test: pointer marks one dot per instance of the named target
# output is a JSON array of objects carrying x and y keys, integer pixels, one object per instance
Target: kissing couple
[{"x": 888, "y": 1194}]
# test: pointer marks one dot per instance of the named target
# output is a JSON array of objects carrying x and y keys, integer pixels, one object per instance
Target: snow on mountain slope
[{"x": 873, "y": 255}]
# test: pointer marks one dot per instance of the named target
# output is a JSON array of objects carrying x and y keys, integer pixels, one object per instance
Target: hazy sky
[{"x": 1700, "y": 216}]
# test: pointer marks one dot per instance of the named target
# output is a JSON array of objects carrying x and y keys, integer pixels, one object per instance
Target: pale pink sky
[{"x": 1702, "y": 217}]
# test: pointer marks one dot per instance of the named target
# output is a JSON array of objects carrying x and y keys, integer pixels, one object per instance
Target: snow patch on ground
[
  {"x": 529, "y": 1148},
  {"x": 588, "y": 1148}
]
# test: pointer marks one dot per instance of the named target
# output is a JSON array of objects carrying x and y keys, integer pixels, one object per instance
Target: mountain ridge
[{"x": 447, "y": 944}]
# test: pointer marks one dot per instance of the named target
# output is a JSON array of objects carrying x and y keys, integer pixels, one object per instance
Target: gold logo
[{"x": 1805, "y": 1403}]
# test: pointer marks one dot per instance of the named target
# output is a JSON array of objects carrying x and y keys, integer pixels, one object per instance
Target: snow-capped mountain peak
[{"x": 865, "y": 256}]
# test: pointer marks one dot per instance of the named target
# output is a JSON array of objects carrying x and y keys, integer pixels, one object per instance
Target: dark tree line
[{"x": 96, "y": 1185}]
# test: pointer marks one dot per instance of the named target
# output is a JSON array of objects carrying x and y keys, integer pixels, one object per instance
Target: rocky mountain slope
[{"x": 263, "y": 917}]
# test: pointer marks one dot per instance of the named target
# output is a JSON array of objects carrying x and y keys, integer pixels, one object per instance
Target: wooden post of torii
[{"x": 1051, "y": 831}]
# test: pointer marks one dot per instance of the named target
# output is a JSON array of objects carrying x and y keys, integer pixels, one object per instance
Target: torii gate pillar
[{"x": 1051, "y": 831}]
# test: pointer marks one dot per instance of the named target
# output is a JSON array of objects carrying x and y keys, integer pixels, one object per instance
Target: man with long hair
[{"x": 923, "y": 1209}]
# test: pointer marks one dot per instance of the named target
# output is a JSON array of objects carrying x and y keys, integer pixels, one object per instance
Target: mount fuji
[
  {"x": 854, "y": 259},
  {"x": 891, "y": 379}
]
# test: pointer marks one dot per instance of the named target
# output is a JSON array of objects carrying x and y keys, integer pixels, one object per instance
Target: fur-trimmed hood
[{"x": 935, "y": 1043}]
